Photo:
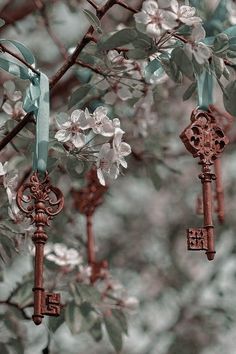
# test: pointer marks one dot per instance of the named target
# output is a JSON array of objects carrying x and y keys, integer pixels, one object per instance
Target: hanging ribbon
[
  {"x": 205, "y": 90},
  {"x": 37, "y": 101}
]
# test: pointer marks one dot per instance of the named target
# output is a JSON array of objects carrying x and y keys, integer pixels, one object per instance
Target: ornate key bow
[
  {"x": 40, "y": 201},
  {"x": 204, "y": 139}
]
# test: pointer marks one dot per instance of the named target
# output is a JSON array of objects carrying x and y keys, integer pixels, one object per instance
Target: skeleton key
[
  {"x": 86, "y": 201},
  {"x": 40, "y": 201},
  {"x": 205, "y": 140}
]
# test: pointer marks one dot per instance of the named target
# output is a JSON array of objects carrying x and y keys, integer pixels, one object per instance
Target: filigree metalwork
[
  {"x": 204, "y": 139},
  {"x": 51, "y": 304},
  {"x": 40, "y": 202},
  {"x": 197, "y": 239}
]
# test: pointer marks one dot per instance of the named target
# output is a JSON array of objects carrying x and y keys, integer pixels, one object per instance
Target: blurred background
[{"x": 180, "y": 303}]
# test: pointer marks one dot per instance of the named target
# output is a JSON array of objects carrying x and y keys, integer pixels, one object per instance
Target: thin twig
[
  {"x": 92, "y": 4},
  {"x": 6, "y": 140},
  {"x": 43, "y": 10},
  {"x": 16, "y": 56},
  {"x": 71, "y": 60},
  {"x": 125, "y": 6}
]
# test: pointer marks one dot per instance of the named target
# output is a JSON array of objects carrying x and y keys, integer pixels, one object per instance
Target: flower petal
[
  {"x": 75, "y": 115},
  {"x": 63, "y": 135},
  {"x": 150, "y": 7},
  {"x": 78, "y": 139},
  {"x": 101, "y": 177},
  {"x": 125, "y": 149},
  {"x": 142, "y": 17},
  {"x": 7, "y": 108}
]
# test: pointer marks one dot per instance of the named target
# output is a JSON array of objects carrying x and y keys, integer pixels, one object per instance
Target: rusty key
[
  {"x": 204, "y": 139},
  {"x": 40, "y": 201}
]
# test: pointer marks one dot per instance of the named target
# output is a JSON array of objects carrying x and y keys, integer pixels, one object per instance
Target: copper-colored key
[
  {"x": 40, "y": 201},
  {"x": 204, "y": 139}
]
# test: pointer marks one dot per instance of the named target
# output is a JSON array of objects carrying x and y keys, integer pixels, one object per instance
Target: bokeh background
[{"x": 186, "y": 304}]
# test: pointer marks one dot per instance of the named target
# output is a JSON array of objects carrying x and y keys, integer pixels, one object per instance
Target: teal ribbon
[
  {"x": 205, "y": 90},
  {"x": 37, "y": 101}
]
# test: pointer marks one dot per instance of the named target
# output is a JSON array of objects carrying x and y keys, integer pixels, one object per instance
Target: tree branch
[
  {"x": 71, "y": 60},
  {"x": 125, "y": 6},
  {"x": 92, "y": 4},
  {"x": 43, "y": 10},
  {"x": 16, "y": 56},
  {"x": 15, "y": 14},
  {"x": 6, "y": 140}
]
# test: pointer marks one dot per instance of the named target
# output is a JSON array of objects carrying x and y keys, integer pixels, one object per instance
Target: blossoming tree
[{"x": 114, "y": 73}]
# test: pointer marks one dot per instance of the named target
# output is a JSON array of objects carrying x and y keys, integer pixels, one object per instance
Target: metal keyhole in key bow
[{"x": 40, "y": 202}]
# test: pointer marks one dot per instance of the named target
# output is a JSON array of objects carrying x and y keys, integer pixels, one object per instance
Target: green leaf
[
  {"x": 87, "y": 293},
  {"x": 96, "y": 331},
  {"x": 154, "y": 176},
  {"x": 15, "y": 69},
  {"x": 171, "y": 69},
  {"x": 136, "y": 54},
  {"x": 7, "y": 249},
  {"x": 94, "y": 20},
  {"x": 2, "y": 22},
  {"x": 118, "y": 39},
  {"x": 4, "y": 349},
  {"x": 218, "y": 66},
  {"x": 226, "y": 73},
  {"x": 221, "y": 43},
  {"x": 231, "y": 31},
  {"x": 25, "y": 52},
  {"x": 232, "y": 44},
  {"x": 153, "y": 67},
  {"x": 73, "y": 317},
  {"x": 78, "y": 95},
  {"x": 24, "y": 295},
  {"x": 16, "y": 345},
  {"x": 55, "y": 322},
  {"x": 190, "y": 91},
  {"x": 89, "y": 316},
  {"x": 120, "y": 317},
  {"x": 114, "y": 332},
  {"x": 182, "y": 61},
  {"x": 229, "y": 98}
]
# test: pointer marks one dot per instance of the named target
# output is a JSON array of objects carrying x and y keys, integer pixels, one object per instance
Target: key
[
  {"x": 40, "y": 202},
  {"x": 204, "y": 139},
  {"x": 87, "y": 200}
]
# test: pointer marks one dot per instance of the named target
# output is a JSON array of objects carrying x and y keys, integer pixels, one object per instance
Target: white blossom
[
  {"x": 197, "y": 49},
  {"x": 111, "y": 157},
  {"x": 63, "y": 256},
  {"x": 13, "y": 106},
  {"x": 16, "y": 111},
  {"x": 121, "y": 149},
  {"x": 131, "y": 303},
  {"x": 3, "y": 168},
  {"x": 84, "y": 273},
  {"x": 155, "y": 19},
  {"x": 186, "y": 14},
  {"x": 71, "y": 131},
  {"x": 116, "y": 59},
  {"x": 100, "y": 123}
]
